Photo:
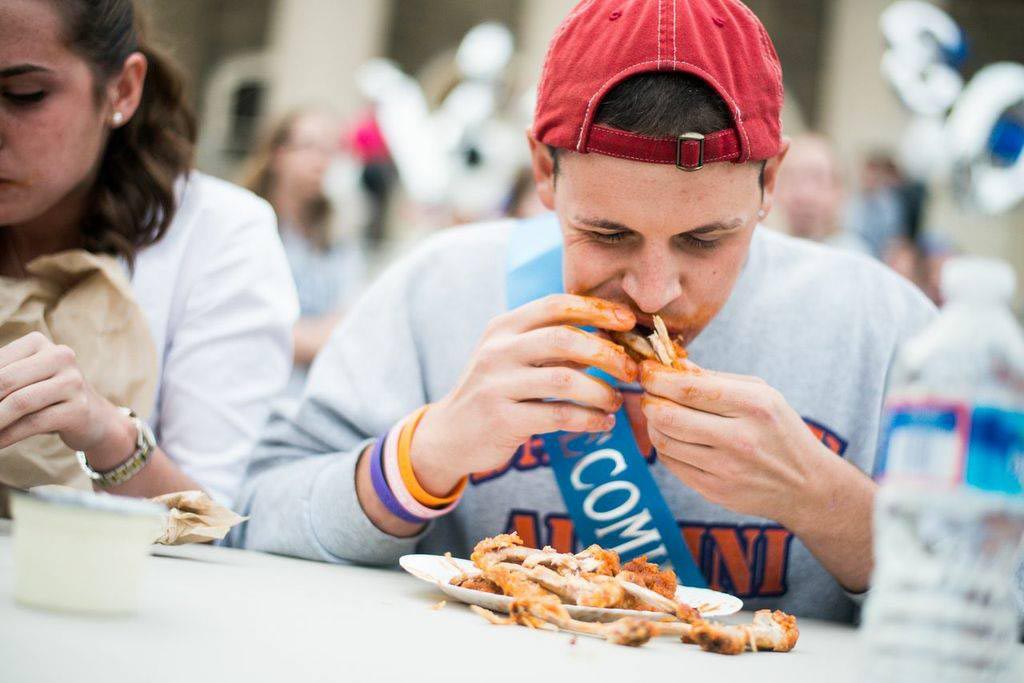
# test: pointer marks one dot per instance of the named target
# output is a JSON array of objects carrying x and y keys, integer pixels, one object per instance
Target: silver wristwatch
[{"x": 145, "y": 444}]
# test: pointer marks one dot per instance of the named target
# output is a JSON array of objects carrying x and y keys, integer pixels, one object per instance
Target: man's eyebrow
[
  {"x": 605, "y": 224},
  {"x": 21, "y": 69},
  {"x": 717, "y": 226}
]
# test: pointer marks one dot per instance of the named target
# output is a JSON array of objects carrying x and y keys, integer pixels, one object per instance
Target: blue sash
[{"x": 605, "y": 481}]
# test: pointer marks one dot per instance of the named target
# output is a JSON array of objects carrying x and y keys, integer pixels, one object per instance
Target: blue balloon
[
  {"x": 1006, "y": 141},
  {"x": 955, "y": 55}
]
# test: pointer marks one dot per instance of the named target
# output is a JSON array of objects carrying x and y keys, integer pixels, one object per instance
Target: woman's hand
[
  {"x": 527, "y": 355},
  {"x": 42, "y": 391}
]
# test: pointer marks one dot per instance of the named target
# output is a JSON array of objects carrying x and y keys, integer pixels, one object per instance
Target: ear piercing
[
  {"x": 117, "y": 119},
  {"x": 761, "y": 213}
]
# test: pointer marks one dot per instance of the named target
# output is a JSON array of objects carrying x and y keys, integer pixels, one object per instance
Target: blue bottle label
[{"x": 953, "y": 443}]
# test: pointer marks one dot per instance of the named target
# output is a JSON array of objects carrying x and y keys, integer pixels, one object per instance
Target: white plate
[{"x": 437, "y": 570}]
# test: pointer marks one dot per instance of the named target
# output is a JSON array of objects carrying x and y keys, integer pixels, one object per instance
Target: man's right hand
[{"x": 532, "y": 353}]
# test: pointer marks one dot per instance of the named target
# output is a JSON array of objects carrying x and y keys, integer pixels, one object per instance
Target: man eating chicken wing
[{"x": 476, "y": 388}]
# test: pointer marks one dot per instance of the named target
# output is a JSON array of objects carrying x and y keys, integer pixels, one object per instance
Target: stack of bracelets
[{"x": 395, "y": 483}]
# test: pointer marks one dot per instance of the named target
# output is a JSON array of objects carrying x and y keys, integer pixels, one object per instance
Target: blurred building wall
[
  {"x": 858, "y": 109},
  {"x": 203, "y": 33},
  {"x": 540, "y": 20},
  {"x": 315, "y": 47}
]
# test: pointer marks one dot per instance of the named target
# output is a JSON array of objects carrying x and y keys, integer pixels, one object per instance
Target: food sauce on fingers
[
  {"x": 589, "y": 310},
  {"x": 611, "y": 358}
]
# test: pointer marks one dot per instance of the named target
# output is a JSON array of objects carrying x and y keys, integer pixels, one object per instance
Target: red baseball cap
[{"x": 603, "y": 42}]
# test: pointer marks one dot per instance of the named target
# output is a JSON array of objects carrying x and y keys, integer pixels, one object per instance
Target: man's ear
[
  {"x": 543, "y": 171},
  {"x": 771, "y": 175}
]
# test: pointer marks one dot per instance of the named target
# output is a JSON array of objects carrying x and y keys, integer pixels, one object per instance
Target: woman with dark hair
[{"x": 103, "y": 222}]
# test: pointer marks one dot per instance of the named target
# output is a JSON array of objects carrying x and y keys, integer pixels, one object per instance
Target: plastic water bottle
[{"x": 949, "y": 516}]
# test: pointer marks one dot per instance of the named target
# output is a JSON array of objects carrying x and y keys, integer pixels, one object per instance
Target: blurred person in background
[
  {"x": 810, "y": 195},
  {"x": 287, "y": 169},
  {"x": 936, "y": 250},
  {"x": 904, "y": 257},
  {"x": 877, "y": 212},
  {"x": 378, "y": 175},
  {"x": 523, "y": 200},
  {"x": 921, "y": 261},
  {"x": 98, "y": 194}
]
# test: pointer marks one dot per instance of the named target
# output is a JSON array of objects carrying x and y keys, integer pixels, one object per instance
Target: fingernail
[
  {"x": 609, "y": 422},
  {"x": 623, "y": 316}
]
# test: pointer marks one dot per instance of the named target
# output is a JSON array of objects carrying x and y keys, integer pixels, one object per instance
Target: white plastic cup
[{"x": 80, "y": 551}]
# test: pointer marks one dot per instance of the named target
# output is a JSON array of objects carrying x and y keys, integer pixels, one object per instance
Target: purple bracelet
[{"x": 381, "y": 488}]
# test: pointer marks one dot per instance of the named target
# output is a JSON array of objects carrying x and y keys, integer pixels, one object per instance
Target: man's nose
[{"x": 652, "y": 283}]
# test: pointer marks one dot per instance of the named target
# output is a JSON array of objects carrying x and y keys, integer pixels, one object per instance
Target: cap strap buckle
[{"x": 690, "y": 137}]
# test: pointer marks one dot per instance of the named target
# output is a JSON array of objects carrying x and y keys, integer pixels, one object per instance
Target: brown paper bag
[
  {"x": 84, "y": 301},
  {"x": 194, "y": 517}
]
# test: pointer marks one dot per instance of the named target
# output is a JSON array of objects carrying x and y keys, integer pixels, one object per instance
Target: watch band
[{"x": 145, "y": 444}]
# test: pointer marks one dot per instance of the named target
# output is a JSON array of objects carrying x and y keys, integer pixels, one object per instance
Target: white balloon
[
  {"x": 991, "y": 93},
  {"x": 918, "y": 33},
  {"x": 374, "y": 77},
  {"x": 479, "y": 190},
  {"x": 485, "y": 51},
  {"x": 923, "y": 151},
  {"x": 470, "y": 103},
  {"x": 429, "y": 148},
  {"x": 405, "y": 121}
]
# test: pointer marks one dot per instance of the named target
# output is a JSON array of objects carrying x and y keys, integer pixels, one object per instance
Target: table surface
[{"x": 216, "y": 614}]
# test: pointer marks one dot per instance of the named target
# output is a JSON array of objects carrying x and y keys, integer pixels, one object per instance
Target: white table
[{"x": 214, "y": 614}]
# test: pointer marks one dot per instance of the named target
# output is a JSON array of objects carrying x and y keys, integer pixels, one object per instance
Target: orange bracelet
[{"x": 405, "y": 466}]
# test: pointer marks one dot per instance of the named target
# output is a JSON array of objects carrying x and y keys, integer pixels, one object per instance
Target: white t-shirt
[{"x": 220, "y": 302}]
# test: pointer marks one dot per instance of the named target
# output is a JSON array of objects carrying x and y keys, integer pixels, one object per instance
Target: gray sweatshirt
[{"x": 819, "y": 325}]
